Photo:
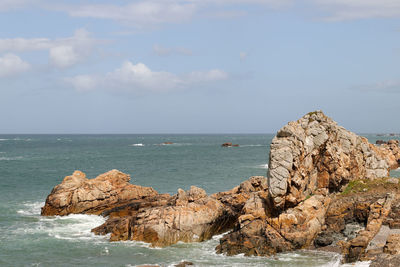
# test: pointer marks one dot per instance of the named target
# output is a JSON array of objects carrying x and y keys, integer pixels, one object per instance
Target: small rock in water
[
  {"x": 184, "y": 264},
  {"x": 229, "y": 144},
  {"x": 168, "y": 143}
]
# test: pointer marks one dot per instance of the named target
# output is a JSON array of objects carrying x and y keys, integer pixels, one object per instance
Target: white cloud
[
  {"x": 14, "y": 4},
  {"x": 131, "y": 76},
  {"x": 11, "y": 64},
  {"x": 21, "y": 44},
  {"x": 140, "y": 14},
  {"x": 166, "y": 51},
  {"x": 83, "y": 82},
  {"x": 63, "y": 56},
  {"x": 150, "y": 13},
  {"x": 139, "y": 77},
  {"x": 339, "y": 10},
  {"x": 63, "y": 52}
]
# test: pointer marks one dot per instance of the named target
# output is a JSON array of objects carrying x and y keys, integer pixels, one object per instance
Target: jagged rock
[
  {"x": 377, "y": 213},
  {"x": 189, "y": 216},
  {"x": 259, "y": 234},
  {"x": 392, "y": 245},
  {"x": 315, "y": 154},
  {"x": 385, "y": 260},
  {"x": 77, "y": 194},
  {"x": 392, "y": 147},
  {"x": 380, "y": 142},
  {"x": 237, "y": 197}
]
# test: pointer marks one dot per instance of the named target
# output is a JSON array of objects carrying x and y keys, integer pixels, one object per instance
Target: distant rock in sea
[
  {"x": 168, "y": 143},
  {"x": 229, "y": 145}
]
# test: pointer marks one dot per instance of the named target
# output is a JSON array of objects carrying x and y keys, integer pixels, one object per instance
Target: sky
[{"x": 197, "y": 66}]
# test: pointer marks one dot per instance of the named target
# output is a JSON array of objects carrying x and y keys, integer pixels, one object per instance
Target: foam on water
[
  {"x": 11, "y": 158},
  {"x": 31, "y": 208},
  {"x": 263, "y": 166},
  {"x": 139, "y": 144},
  {"x": 73, "y": 227},
  {"x": 77, "y": 228}
]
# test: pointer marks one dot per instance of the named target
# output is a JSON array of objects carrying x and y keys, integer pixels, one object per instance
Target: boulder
[
  {"x": 314, "y": 154},
  {"x": 77, "y": 194}
]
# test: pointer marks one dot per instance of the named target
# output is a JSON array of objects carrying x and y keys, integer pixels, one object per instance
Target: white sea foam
[
  {"x": 31, "y": 209},
  {"x": 263, "y": 166},
  {"x": 71, "y": 227},
  {"x": 139, "y": 144},
  {"x": 4, "y": 139},
  {"x": 174, "y": 144},
  {"x": 11, "y": 158}
]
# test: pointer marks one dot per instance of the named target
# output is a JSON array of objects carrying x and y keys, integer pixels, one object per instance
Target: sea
[{"x": 31, "y": 165}]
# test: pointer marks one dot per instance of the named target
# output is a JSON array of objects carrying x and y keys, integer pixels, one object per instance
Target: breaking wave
[{"x": 72, "y": 227}]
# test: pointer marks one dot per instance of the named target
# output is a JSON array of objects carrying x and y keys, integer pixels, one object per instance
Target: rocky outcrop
[
  {"x": 77, "y": 194},
  {"x": 323, "y": 190},
  {"x": 392, "y": 148},
  {"x": 190, "y": 216},
  {"x": 257, "y": 233},
  {"x": 315, "y": 154},
  {"x": 236, "y": 198}
]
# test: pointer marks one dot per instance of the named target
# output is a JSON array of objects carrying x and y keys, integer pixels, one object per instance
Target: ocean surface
[{"x": 31, "y": 165}]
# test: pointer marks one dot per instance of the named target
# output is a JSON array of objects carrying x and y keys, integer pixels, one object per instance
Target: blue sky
[{"x": 197, "y": 66}]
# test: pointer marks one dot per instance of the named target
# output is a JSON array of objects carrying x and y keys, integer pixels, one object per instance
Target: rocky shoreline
[{"x": 326, "y": 188}]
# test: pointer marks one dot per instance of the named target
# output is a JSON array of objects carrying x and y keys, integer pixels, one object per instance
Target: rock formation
[
  {"x": 325, "y": 189},
  {"x": 314, "y": 154},
  {"x": 77, "y": 194},
  {"x": 189, "y": 216}
]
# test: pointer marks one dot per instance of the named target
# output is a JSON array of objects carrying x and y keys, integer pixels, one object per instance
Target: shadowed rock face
[
  {"x": 315, "y": 154},
  {"x": 77, "y": 194}
]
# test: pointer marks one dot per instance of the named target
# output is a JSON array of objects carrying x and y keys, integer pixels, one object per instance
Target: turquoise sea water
[{"x": 31, "y": 165}]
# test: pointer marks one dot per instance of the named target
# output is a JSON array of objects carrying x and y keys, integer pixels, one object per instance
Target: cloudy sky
[{"x": 197, "y": 66}]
